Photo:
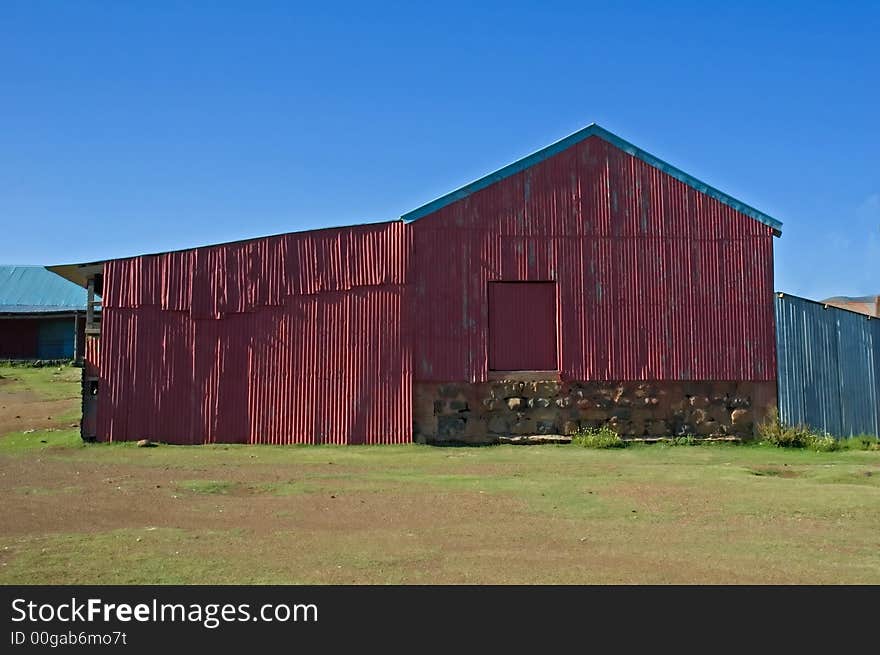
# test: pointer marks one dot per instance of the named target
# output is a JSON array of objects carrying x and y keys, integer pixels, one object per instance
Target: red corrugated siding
[
  {"x": 18, "y": 338},
  {"x": 522, "y": 326},
  {"x": 656, "y": 280},
  {"x": 91, "y": 403},
  {"x": 92, "y": 357},
  {"x": 297, "y": 338}
]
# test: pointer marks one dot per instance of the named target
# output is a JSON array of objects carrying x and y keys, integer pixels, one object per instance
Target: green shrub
[
  {"x": 774, "y": 432},
  {"x": 824, "y": 443},
  {"x": 863, "y": 442},
  {"x": 798, "y": 436},
  {"x": 603, "y": 437},
  {"x": 687, "y": 440}
]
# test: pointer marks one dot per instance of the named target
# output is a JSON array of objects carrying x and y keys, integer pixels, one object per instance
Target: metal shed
[
  {"x": 589, "y": 283},
  {"x": 41, "y": 315},
  {"x": 829, "y": 367}
]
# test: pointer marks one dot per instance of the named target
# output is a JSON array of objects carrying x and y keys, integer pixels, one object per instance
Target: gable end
[{"x": 617, "y": 142}]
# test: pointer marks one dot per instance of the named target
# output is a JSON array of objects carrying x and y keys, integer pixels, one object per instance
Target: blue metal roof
[
  {"x": 34, "y": 289},
  {"x": 572, "y": 139}
]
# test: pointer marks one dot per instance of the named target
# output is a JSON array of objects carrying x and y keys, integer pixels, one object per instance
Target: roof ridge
[{"x": 593, "y": 129}]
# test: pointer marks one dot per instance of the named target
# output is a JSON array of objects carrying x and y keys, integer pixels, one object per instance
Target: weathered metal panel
[
  {"x": 90, "y": 387},
  {"x": 298, "y": 338},
  {"x": 56, "y": 338},
  {"x": 522, "y": 326},
  {"x": 656, "y": 281},
  {"x": 92, "y": 357},
  {"x": 829, "y": 368}
]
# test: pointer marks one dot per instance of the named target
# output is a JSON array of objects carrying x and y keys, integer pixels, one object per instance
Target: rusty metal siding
[
  {"x": 657, "y": 281},
  {"x": 92, "y": 356},
  {"x": 522, "y": 326},
  {"x": 298, "y": 338},
  {"x": 829, "y": 367}
]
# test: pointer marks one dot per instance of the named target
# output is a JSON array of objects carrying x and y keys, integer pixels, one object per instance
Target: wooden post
[
  {"x": 90, "y": 303},
  {"x": 75, "y": 336}
]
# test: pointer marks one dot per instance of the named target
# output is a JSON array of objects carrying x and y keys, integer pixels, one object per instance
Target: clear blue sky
[{"x": 134, "y": 127}]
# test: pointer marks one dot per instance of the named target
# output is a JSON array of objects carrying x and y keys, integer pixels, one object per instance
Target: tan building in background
[{"x": 869, "y": 305}]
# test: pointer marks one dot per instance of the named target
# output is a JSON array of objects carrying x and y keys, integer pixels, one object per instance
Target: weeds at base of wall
[
  {"x": 603, "y": 437},
  {"x": 825, "y": 443},
  {"x": 863, "y": 442},
  {"x": 773, "y": 432},
  {"x": 859, "y": 442}
]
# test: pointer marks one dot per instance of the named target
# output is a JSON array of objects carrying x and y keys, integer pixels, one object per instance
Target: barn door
[{"x": 522, "y": 326}]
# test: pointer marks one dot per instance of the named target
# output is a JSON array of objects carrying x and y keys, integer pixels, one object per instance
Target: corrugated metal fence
[{"x": 829, "y": 367}]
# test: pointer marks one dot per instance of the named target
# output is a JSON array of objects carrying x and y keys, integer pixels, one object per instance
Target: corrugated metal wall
[
  {"x": 37, "y": 338},
  {"x": 91, "y": 370},
  {"x": 297, "y": 338},
  {"x": 56, "y": 338},
  {"x": 829, "y": 367},
  {"x": 656, "y": 280},
  {"x": 92, "y": 356}
]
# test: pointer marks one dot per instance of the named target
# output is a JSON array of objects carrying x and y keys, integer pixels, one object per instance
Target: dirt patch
[
  {"x": 26, "y": 410},
  {"x": 775, "y": 472},
  {"x": 255, "y": 498},
  {"x": 677, "y": 500}
]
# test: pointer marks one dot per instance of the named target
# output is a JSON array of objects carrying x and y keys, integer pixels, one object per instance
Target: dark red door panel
[{"x": 522, "y": 326}]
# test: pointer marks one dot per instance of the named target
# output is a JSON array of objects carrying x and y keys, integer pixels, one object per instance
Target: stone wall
[{"x": 483, "y": 412}]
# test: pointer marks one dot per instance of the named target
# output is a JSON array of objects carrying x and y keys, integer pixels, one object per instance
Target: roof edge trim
[
  {"x": 825, "y": 305},
  {"x": 592, "y": 130},
  {"x": 78, "y": 272}
]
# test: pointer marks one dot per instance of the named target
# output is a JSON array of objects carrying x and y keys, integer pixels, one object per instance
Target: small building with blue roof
[{"x": 42, "y": 315}]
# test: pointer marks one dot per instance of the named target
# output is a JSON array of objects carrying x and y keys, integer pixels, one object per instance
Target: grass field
[{"x": 96, "y": 513}]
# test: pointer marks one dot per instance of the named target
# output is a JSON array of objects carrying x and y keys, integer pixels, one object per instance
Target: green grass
[
  {"x": 207, "y": 486},
  {"x": 419, "y": 514},
  {"x": 126, "y": 556},
  {"x": 49, "y": 383},
  {"x": 65, "y": 442},
  {"x": 663, "y": 513}
]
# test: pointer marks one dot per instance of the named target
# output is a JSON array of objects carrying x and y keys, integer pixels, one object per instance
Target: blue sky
[{"x": 133, "y": 127}]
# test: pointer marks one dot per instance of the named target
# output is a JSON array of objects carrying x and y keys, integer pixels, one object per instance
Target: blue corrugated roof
[
  {"x": 33, "y": 289},
  {"x": 570, "y": 140}
]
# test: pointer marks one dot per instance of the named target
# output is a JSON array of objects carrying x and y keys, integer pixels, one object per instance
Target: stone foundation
[{"x": 483, "y": 412}]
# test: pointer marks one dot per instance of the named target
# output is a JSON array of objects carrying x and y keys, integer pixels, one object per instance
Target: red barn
[{"x": 587, "y": 284}]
